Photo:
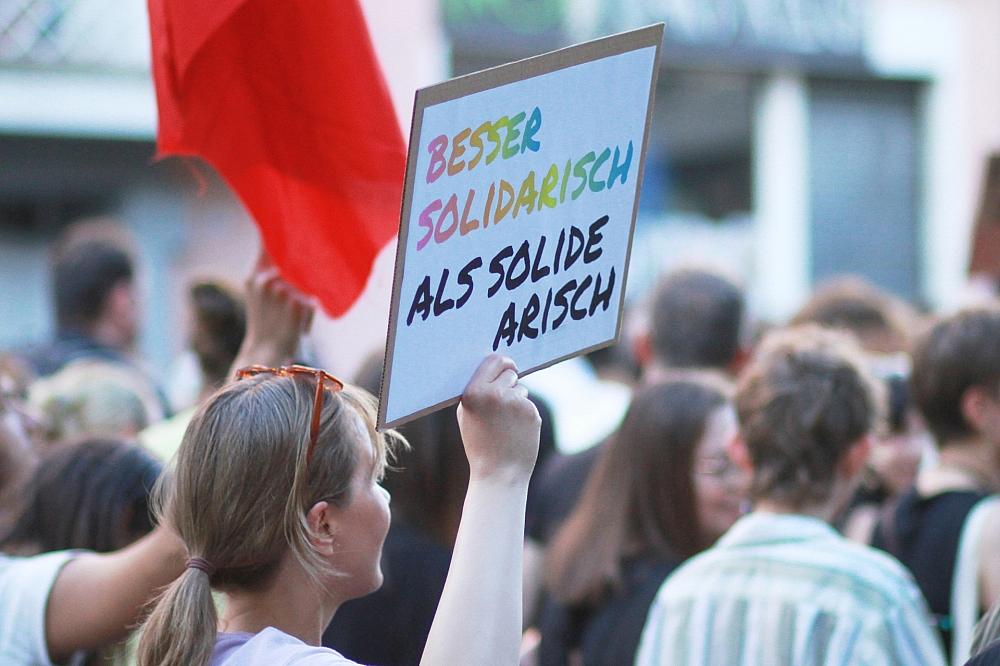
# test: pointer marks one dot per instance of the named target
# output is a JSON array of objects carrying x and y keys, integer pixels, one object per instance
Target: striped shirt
[{"x": 787, "y": 589}]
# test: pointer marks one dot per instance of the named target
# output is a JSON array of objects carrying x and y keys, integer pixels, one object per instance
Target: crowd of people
[{"x": 819, "y": 491}]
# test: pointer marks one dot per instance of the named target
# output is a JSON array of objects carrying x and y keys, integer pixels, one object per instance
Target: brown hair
[
  {"x": 639, "y": 500},
  {"x": 958, "y": 353},
  {"x": 696, "y": 317},
  {"x": 877, "y": 319},
  {"x": 92, "y": 494},
  {"x": 805, "y": 399},
  {"x": 243, "y": 521},
  {"x": 90, "y": 258},
  {"x": 219, "y": 325}
]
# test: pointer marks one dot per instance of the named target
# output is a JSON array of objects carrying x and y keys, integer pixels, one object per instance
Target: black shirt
[
  {"x": 609, "y": 634},
  {"x": 389, "y": 627},
  {"x": 988, "y": 657},
  {"x": 924, "y": 533},
  {"x": 560, "y": 482}
]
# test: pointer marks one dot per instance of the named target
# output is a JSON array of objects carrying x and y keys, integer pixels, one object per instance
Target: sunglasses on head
[{"x": 290, "y": 371}]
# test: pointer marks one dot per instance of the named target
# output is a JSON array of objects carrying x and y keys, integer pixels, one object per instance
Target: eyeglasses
[
  {"x": 720, "y": 469},
  {"x": 290, "y": 371}
]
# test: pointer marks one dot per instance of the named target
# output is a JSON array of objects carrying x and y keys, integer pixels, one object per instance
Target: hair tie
[{"x": 201, "y": 564}]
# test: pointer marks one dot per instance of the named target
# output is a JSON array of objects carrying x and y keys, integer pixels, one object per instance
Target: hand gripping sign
[{"x": 522, "y": 184}]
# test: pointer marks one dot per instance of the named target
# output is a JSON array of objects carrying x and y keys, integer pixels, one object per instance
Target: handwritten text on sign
[{"x": 521, "y": 201}]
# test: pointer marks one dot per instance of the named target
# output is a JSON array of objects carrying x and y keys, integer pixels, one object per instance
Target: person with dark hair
[
  {"x": 663, "y": 490},
  {"x": 881, "y": 324},
  {"x": 938, "y": 527},
  {"x": 217, "y": 330},
  {"x": 879, "y": 321},
  {"x": 782, "y": 586},
  {"x": 91, "y": 495},
  {"x": 695, "y": 322},
  {"x": 94, "y": 296},
  {"x": 218, "y": 326},
  {"x": 230, "y": 330},
  {"x": 57, "y": 604}
]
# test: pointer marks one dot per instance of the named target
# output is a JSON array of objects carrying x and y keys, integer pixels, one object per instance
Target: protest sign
[{"x": 521, "y": 190}]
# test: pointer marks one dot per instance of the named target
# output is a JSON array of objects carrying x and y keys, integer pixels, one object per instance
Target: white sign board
[{"x": 522, "y": 185}]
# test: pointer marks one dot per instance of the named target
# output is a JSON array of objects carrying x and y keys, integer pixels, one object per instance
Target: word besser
[
  {"x": 527, "y": 264},
  {"x": 442, "y": 218}
]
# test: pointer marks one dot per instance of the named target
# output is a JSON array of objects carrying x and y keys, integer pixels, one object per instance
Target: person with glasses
[
  {"x": 782, "y": 587},
  {"x": 662, "y": 490},
  {"x": 276, "y": 497}
]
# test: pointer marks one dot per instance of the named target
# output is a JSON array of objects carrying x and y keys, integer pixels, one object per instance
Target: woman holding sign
[{"x": 276, "y": 497}]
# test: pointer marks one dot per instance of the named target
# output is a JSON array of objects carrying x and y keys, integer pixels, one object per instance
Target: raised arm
[
  {"x": 478, "y": 620},
  {"x": 277, "y": 316},
  {"x": 98, "y": 599}
]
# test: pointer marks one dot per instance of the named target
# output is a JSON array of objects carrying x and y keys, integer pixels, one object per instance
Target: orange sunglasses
[{"x": 290, "y": 371}]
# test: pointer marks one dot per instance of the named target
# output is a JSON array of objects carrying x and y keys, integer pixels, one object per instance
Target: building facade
[{"x": 792, "y": 140}]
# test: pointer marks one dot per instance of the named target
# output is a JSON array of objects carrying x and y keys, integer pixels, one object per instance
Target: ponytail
[
  {"x": 182, "y": 627},
  {"x": 237, "y": 522}
]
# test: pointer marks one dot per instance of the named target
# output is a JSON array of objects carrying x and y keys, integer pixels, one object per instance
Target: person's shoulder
[
  {"x": 25, "y": 586},
  {"x": 272, "y": 647},
  {"x": 689, "y": 577},
  {"x": 988, "y": 657},
  {"x": 32, "y": 570},
  {"x": 874, "y": 567}
]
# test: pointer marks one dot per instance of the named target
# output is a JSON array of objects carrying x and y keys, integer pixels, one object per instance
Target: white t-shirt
[
  {"x": 25, "y": 584},
  {"x": 271, "y": 647}
]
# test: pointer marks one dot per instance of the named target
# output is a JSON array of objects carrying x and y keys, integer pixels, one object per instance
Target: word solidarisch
[
  {"x": 512, "y": 268},
  {"x": 442, "y": 218}
]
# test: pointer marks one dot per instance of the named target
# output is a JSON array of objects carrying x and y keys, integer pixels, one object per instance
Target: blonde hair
[
  {"x": 239, "y": 495},
  {"x": 94, "y": 398}
]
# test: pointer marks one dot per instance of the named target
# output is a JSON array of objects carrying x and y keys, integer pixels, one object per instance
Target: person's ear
[
  {"x": 739, "y": 454},
  {"x": 322, "y": 527},
  {"x": 642, "y": 349},
  {"x": 856, "y": 457},
  {"x": 974, "y": 404},
  {"x": 738, "y": 361}
]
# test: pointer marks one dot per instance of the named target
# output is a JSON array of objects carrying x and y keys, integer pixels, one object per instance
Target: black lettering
[
  {"x": 421, "y": 301},
  {"x": 594, "y": 237},
  {"x": 561, "y": 302},
  {"x": 545, "y": 315},
  {"x": 496, "y": 267},
  {"x": 523, "y": 256},
  {"x": 604, "y": 297},
  {"x": 538, "y": 271},
  {"x": 526, "y": 330},
  {"x": 442, "y": 305},
  {"x": 559, "y": 247},
  {"x": 575, "y": 312},
  {"x": 508, "y": 328},
  {"x": 573, "y": 254},
  {"x": 466, "y": 279}
]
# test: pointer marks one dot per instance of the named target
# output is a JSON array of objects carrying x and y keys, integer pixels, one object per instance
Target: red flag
[{"x": 286, "y": 100}]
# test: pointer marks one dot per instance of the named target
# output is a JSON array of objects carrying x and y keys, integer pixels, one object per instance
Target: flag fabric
[{"x": 287, "y": 101}]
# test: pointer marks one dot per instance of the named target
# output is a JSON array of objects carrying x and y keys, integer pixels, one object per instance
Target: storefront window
[{"x": 699, "y": 162}]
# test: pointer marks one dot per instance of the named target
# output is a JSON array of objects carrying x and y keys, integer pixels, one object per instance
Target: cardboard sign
[{"x": 522, "y": 184}]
